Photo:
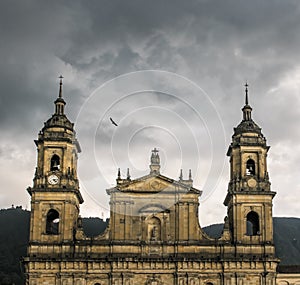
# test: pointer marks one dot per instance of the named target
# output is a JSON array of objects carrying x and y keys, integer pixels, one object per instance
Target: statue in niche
[
  {"x": 154, "y": 233},
  {"x": 154, "y": 229}
]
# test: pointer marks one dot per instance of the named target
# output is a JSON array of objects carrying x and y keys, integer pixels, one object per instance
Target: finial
[
  {"x": 154, "y": 161},
  {"x": 190, "y": 174},
  {"x": 60, "y": 86},
  {"x": 246, "y": 90},
  {"x": 181, "y": 175},
  {"x": 247, "y": 108},
  {"x": 60, "y": 103},
  {"x": 119, "y": 173},
  {"x": 155, "y": 157},
  {"x": 128, "y": 174}
]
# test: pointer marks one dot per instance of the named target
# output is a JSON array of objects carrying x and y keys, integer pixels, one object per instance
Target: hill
[
  {"x": 14, "y": 236},
  {"x": 286, "y": 238}
]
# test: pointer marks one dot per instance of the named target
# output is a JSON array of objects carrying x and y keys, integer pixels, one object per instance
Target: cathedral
[{"x": 153, "y": 236}]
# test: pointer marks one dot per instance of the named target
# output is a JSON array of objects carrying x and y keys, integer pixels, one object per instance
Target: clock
[{"x": 53, "y": 179}]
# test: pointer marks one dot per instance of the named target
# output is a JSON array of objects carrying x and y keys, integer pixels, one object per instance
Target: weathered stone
[{"x": 154, "y": 236}]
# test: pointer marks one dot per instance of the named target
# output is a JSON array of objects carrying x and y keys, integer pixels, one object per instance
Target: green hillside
[
  {"x": 14, "y": 237},
  {"x": 287, "y": 240}
]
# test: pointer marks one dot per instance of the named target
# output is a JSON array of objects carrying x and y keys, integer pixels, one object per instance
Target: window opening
[
  {"x": 250, "y": 167},
  {"x": 52, "y": 224},
  {"x": 55, "y": 163},
  {"x": 252, "y": 224}
]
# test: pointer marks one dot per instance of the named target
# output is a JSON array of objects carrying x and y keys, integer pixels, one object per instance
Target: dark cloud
[{"x": 217, "y": 44}]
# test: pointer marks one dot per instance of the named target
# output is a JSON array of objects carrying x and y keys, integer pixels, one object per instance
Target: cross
[
  {"x": 60, "y": 86},
  {"x": 155, "y": 150},
  {"x": 61, "y": 78}
]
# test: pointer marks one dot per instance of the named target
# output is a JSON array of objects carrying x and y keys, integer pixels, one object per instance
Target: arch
[
  {"x": 209, "y": 283},
  {"x": 154, "y": 229},
  {"x": 193, "y": 281},
  {"x": 55, "y": 163},
  {"x": 153, "y": 209},
  {"x": 284, "y": 283},
  {"x": 250, "y": 167},
  {"x": 97, "y": 283},
  {"x": 252, "y": 224},
  {"x": 52, "y": 222}
]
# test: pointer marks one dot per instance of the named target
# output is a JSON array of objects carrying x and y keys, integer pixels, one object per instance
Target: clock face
[{"x": 53, "y": 179}]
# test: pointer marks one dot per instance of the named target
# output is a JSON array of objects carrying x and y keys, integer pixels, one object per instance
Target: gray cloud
[{"x": 217, "y": 44}]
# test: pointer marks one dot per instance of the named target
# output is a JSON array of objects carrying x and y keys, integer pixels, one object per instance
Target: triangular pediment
[{"x": 153, "y": 184}]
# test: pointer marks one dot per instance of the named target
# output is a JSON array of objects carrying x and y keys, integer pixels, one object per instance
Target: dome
[
  {"x": 247, "y": 132},
  {"x": 58, "y": 127},
  {"x": 58, "y": 120},
  {"x": 247, "y": 126}
]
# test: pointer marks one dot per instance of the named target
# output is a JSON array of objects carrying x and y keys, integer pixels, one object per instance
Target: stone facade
[{"x": 154, "y": 236}]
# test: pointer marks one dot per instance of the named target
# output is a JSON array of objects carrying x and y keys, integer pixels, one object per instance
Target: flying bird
[{"x": 113, "y": 122}]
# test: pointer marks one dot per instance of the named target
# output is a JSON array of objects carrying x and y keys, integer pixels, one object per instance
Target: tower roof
[
  {"x": 60, "y": 102},
  {"x": 59, "y": 119},
  {"x": 247, "y": 124},
  {"x": 59, "y": 127}
]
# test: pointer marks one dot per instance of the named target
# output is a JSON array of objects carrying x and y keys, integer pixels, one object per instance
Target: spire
[
  {"x": 190, "y": 174},
  {"x": 128, "y": 174},
  {"x": 119, "y": 173},
  {"x": 60, "y": 86},
  {"x": 60, "y": 102},
  {"x": 154, "y": 162},
  {"x": 247, "y": 108},
  {"x": 181, "y": 175},
  {"x": 246, "y": 91}
]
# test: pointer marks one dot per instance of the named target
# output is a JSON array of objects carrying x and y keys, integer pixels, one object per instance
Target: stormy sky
[{"x": 170, "y": 73}]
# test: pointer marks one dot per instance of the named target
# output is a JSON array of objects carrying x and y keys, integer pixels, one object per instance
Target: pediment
[{"x": 154, "y": 184}]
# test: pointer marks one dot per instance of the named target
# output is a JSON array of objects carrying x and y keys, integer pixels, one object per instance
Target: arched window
[
  {"x": 250, "y": 167},
  {"x": 252, "y": 224},
  {"x": 55, "y": 163},
  {"x": 97, "y": 283},
  {"x": 209, "y": 283},
  {"x": 52, "y": 223}
]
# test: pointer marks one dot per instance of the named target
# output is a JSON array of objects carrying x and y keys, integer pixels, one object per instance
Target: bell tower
[
  {"x": 249, "y": 196},
  {"x": 55, "y": 195}
]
